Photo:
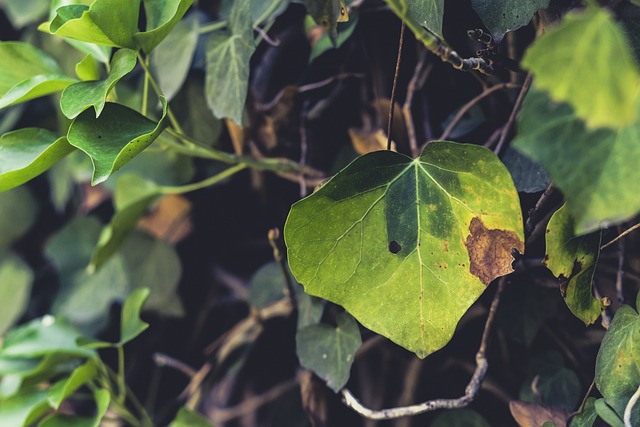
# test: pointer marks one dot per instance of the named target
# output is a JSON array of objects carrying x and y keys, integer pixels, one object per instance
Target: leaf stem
[
  {"x": 180, "y": 189},
  {"x": 145, "y": 92},
  {"x": 214, "y": 26},
  {"x": 393, "y": 88},
  {"x": 122, "y": 388},
  {"x": 620, "y": 236}
]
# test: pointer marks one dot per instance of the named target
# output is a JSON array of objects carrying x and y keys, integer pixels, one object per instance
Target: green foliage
[
  {"x": 503, "y": 16},
  {"x": 130, "y": 325},
  {"x": 18, "y": 212},
  {"x": 16, "y": 278},
  {"x": 427, "y": 227},
  {"x": 189, "y": 418},
  {"x": 162, "y": 17},
  {"x": 591, "y": 167},
  {"x": 585, "y": 46},
  {"x": 587, "y": 416},
  {"x": 423, "y": 13},
  {"x": 460, "y": 418},
  {"x": 572, "y": 259},
  {"x": 550, "y": 383}
]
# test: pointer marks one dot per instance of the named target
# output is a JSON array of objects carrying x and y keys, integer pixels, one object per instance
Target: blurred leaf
[
  {"x": 618, "y": 362},
  {"x": 156, "y": 164},
  {"x": 87, "y": 69},
  {"x": 27, "y": 153},
  {"x": 573, "y": 259},
  {"x": 502, "y": 16},
  {"x": 420, "y": 13},
  {"x": 562, "y": 61},
  {"x": 32, "y": 73},
  {"x": 171, "y": 60},
  {"x": 310, "y": 309},
  {"x": 189, "y": 418},
  {"x": 587, "y": 417},
  {"x": 82, "y": 375},
  {"x": 102, "y": 398},
  {"x": 24, "y": 408},
  {"x": 24, "y": 12},
  {"x": 191, "y": 108},
  {"x": 15, "y": 289},
  {"x": 131, "y": 325},
  {"x": 532, "y": 415},
  {"x": 114, "y": 138},
  {"x": 169, "y": 219},
  {"x": 528, "y": 176},
  {"x": 162, "y": 16},
  {"x": 80, "y": 96},
  {"x": 105, "y": 22},
  {"x": 18, "y": 212},
  {"x": 419, "y": 222},
  {"x": 325, "y": 43},
  {"x": 325, "y": 13},
  {"x": 555, "y": 385},
  {"x": 459, "y": 418},
  {"x": 591, "y": 167},
  {"x": 70, "y": 248},
  {"x": 607, "y": 413},
  {"x": 44, "y": 336},
  {"x": 329, "y": 351},
  {"x": 227, "y": 65},
  {"x": 98, "y": 52},
  {"x": 629, "y": 16},
  {"x": 266, "y": 285}
]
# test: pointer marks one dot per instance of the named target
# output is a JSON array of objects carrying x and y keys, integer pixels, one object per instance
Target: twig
[
  {"x": 274, "y": 236},
  {"x": 393, "y": 88},
  {"x": 161, "y": 359},
  {"x": 470, "y": 391},
  {"x": 533, "y": 212},
  {"x": 620, "y": 236},
  {"x": 420, "y": 74},
  {"x": 514, "y": 112},
  {"x": 586, "y": 396},
  {"x": 620, "y": 273},
  {"x": 473, "y": 102},
  {"x": 627, "y": 410}
]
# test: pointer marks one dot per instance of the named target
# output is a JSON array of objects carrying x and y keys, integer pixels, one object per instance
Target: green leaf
[
  {"x": 329, "y": 351},
  {"x": 15, "y": 288},
  {"x": 102, "y": 398},
  {"x": 133, "y": 195},
  {"x": 46, "y": 335},
  {"x": 70, "y": 248},
  {"x": 105, "y": 22},
  {"x": 80, "y": 96},
  {"x": 131, "y": 325},
  {"x": 87, "y": 69},
  {"x": 325, "y": 43},
  {"x": 114, "y": 138},
  {"x": 24, "y": 12},
  {"x": 460, "y": 418},
  {"x": 18, "y": 212},
  {"x": 591, "y": 167},
  {"x": 227, "y": 66},
  {"x": 325, "y": 13},
  {"x": 502, "y": 16},
  {"x": 171, "y": 60},
  {"x": 618, "y": 362},
  {"x": 573, "y": 259},
  {"x": 31, "y": 74},
  {"x": 24, "y": 408},
  {"x": 162, "y": 16},
  {"x": 82, "y": 375},
  {"x": 266, "y": 285},
  {"x": 587, "y": 417},
  {"x": 27, "y": 153},
  {"x": 607, "y": 413},
  {"x": 188, "y": 418},
  {"x": 407, "y": 245},
  {"x": 555, "y": 385},
  {"x": 423, "y": 13},
  {"x": 573, "y": 63},
  {"x": 528, "y": 176}
]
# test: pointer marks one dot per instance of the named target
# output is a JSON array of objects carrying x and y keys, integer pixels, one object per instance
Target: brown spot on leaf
[
  {"x": 490, "y": 251},
  {"x": 445, "y": 246}
]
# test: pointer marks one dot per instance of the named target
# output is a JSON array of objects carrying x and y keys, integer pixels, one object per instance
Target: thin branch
[
  {"x": 420, "y": 75},
  {"x": 514, "y": 112},
  {"x": 395, "y": 83},
  {"x": 162, "y": 360},
  {"x": 290, "y": 291},
  {"x": 470, "y": 391},
  {"x": 620, "y": 236},
  {"x": 533, "y": 213},
  {"x": 627, "y": 410},
  {"x": 620, "y": 272},
  {"x": 473, "y": 102}
]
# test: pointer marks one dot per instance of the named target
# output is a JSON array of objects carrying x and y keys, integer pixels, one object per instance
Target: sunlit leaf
[
  {"x": 87, "y": 69},
  {"x": 423, "y": 13},
  {"x": 131, "y": 325},
  {"x": 26, "y": 153},
  {"x": 114, "y": 138},
  {"x": 80, "y": 96},
  {"x": 329, "y": 351},
  {"x": 189, "y": 418},
  {"x": 608, "y": 415},
  {"x": 105, "y": 22},
  {"x": 573, "y": 260},
  {"x": 573, "y": 62},
  {"x": 618, "y": 362},
  {"x": 591, "y": 167},
  {"x": 502, "y": 16},
  {"x": 32, "y": 73},
  {"x": 18, "y": 212},
  {"x": 162, "y": 16},
  {"x": 15, "y": 288},
  {"x": 407, "y": 245}
]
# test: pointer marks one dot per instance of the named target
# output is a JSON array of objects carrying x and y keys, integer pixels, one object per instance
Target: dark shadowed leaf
[
  {"x": 15, "y": 288},
  {"x": 532, "y": 415},
  {"x": 189, "y": 418},
  {"x": 18, "y": 212},
  {"x": 587, "y": 417},
  {"x": 550, "y": 383},
  {"x": 59, "y": 391},
  {"x": 407, "y": 245},
  {"x": 502, "y": 16},
  {"x": 572, "y": 259},
  {"x": 460, "y": 418},
  {"x": 329, "y": 351},
  {"x": 528, "y": 176},
  {"x": 26, "y": 153}
]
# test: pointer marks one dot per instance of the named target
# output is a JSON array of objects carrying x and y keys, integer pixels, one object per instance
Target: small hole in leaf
[{"x": 394, "y": 247}]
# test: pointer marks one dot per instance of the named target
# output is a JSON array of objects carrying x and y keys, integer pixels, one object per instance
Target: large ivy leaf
[
  {"x": 28, "y": 73},
  {"x": 82, "y": 95},
  {"x": 329, "y": 351},
  {"x": 618, "y": 361},
  {"x": 424, "y": 13},
  {"x": 573, "y": 63},
  {"x": 114, "y": 138},
  {"x": 18, "y": 212},
  {"x": 105, "y": 22},
  {"x": 162, "y": 16},
  {"x": 26, "y": 153},
  {"x": 15, "y": 288},
  {"x": 572, "y": 259},
  {"x": 502, "y": 16},
  {"x": 407, "y": 245},
  {"x": 227, "y": 65},
  {"x": 591, "y": 167}
]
